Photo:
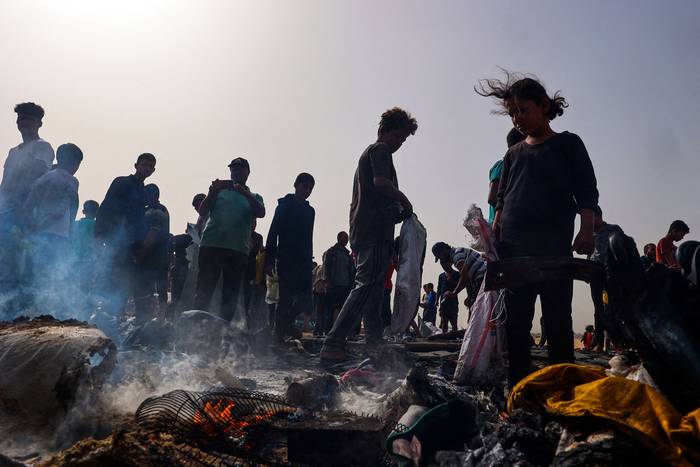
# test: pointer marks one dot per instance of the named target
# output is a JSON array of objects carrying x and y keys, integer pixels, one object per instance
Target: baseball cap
[
  {"x": 437, "y": 248},
  {"x": 239, "y": 161}
]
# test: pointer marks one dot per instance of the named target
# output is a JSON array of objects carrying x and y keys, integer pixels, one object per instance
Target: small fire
[{"x": 217, "y": 416}]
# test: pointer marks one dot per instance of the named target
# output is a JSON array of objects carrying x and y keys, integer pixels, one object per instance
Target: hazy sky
[{"x": 299, "y": 86}]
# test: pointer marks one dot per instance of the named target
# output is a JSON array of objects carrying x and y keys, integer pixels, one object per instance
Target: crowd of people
[{"x": 122, "y": 254}]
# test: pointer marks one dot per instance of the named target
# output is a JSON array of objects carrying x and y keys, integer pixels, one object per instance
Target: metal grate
[{"x": 225, "y": 420}]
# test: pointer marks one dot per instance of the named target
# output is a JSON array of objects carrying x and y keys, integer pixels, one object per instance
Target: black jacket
[
  {"x": 334, "y": 258},
  {"x": 290, "y": 242}
]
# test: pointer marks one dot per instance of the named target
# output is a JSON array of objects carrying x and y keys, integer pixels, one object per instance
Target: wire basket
[{"x": 225, "y": 420}]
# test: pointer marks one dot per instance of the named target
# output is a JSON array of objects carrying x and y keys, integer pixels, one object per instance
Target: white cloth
[
  {"x": 53, "y": 203},
  {"x": 25, "y": 163},
  {"x": 409, "y": 273}
]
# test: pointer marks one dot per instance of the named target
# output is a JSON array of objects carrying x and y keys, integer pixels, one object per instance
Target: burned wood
[
  {"x": 459, "y": 334},
  {"x": 425, "y": 346},
  {"x": 516, "y": 272},
  {"x": 340, "y": 439}
]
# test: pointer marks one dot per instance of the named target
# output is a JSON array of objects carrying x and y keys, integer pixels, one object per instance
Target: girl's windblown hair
[{"x": 520, "y": 86}]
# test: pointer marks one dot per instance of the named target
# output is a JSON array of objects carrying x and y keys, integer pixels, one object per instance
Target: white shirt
[
  {"x": 25, "y": 163},
  {"x": 53, "y": 203}
]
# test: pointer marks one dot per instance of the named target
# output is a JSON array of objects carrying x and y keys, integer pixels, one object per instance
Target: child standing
[
  {"x": 547, "y": 180},
  {"x": 588, "y": 337}
]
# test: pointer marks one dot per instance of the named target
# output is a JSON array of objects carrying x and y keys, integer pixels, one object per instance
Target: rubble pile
[{"x": 395, "y": 407}]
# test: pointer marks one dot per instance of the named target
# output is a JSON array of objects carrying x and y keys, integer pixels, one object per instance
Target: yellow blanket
[{"x": 637, "y": 409}]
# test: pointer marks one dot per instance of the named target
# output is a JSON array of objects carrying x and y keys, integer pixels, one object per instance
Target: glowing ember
[{"x": 217, "y": 416}]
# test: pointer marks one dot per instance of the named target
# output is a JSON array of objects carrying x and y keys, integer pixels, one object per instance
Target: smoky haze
[{"x": 299, "y": 86}]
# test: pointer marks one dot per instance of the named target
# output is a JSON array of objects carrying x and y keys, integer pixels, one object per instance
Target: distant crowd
[{"x": 121, "y": 259}]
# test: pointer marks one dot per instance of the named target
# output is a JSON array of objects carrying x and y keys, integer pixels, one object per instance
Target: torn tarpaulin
[{"x": 45, "y": 363}]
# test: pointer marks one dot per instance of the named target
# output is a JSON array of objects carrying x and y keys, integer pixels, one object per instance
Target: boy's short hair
[
  {"x": 31, "y": 109},
  {"x": 341, "y": 234},
  {"x": 438, "y": 249},
  {"x": 91, "y": 205},
  {"x": 145, "y": 156},
  {"x": 152, "y": 189},
  {"x": 198, "y": 198},
  {"x": 514, "y": 137},
  {"x": 680, "y": 226},
  {"x": 397, "y": 119},
  {"x": 69, "y": 153},
  {"x": 304, "y": 178},
  {"x": 430, "y": 285}
]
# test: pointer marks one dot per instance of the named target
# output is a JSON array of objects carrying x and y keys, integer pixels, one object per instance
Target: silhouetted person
[
  {"x": 471, "y": 267},
  {"x": 85, "y": 258},
  {"x": 602, "y": 233},
  {"x": 121, "y": 228},
  {"x": 649, "y": 256},
  {"x": 377, "y": 205},
  {"x": 429, "y": 303},
  {"x": 289, "y": 245},
  {"x": 665, "y": 249},
  {"x": 50, "y": 209},
  {"x": 25, "y": 163},
  {"x": 449, "y": 308},
  {"x": 513, "y": 138},
  {"x": 339, "y": 274},
  {"x": 156, "y": 258},
  {"x": 231, "y": 208}
]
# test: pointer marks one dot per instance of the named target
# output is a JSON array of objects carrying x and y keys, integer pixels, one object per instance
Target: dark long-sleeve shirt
[
  {"x": 121, "y": 218},
  {"x": 338, "y": 267},
  {"x": 542, "y": 188},
  {"x": 290, "y": 242},
  {"x": 446, "y": 284}
]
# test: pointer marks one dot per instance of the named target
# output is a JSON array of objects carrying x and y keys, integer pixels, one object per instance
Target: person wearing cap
[
  {"x": 377, "y": 206},
  {"x": 231, "y": 208},
  {"x": 468, "y": 262},
  {"x": 289, "y": 246},
  {"x": 25, "y": 163}
]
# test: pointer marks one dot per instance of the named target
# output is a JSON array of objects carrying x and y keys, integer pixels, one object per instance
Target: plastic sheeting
[
  {"x": 409, "y": 274},
  {"x": 634, "y": 408},
  {"x": 478, "y": 355},
  {"x": 44, "y": 363}
]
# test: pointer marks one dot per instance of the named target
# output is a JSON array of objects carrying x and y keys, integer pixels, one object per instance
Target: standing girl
[{"x": 547, "y": 180}]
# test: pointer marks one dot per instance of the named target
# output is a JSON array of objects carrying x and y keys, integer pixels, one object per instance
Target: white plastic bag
[
  {"x": 479, "y": 354},
  {"x": 409, "y": 274},
  {"x": 480, "y": 231}
]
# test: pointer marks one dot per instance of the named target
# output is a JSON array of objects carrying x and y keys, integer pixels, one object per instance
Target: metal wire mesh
[{"x": 225, "y": 420}]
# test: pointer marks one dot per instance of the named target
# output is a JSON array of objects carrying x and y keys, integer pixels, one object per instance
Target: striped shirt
[{"x": 475, "y": 264}]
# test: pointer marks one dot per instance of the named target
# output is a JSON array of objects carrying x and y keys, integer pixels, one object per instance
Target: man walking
[
  {"x": 377, "y": 205},
  {"x": 231, "y": 208}
]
